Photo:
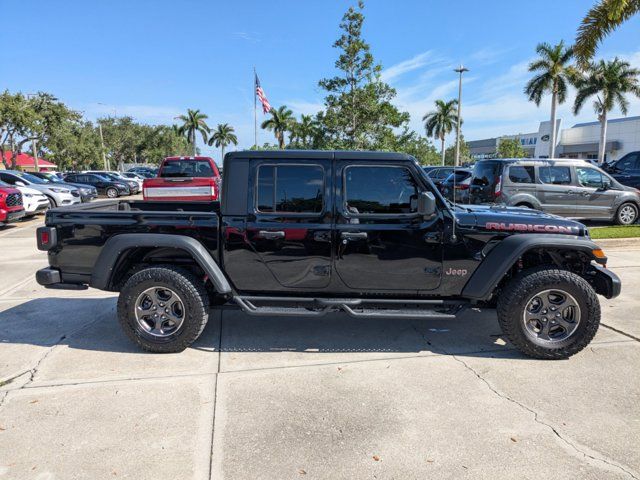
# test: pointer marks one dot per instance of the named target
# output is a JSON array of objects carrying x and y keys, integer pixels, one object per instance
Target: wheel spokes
[
  {"x": 551, "y": 315},
  {"x": 159, "y": 311}
]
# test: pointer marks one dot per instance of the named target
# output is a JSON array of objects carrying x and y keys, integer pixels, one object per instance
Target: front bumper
[
  {"x": 89, "y": 197},
  {"x": 11, "y": 216},
  {"x": 605, "y": 282}
]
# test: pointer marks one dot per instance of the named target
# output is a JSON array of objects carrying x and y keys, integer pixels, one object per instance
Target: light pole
[
  {"x": 460, "y": 70},
  {"x": 34, "y": 149},
  {"x": 107, "y": 166}
]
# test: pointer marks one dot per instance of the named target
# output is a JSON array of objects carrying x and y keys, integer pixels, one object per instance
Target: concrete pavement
[{"x": 287, "y": 398}]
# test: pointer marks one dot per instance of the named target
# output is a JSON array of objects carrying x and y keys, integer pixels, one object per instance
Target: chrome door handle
[
  {"x": 271, "y": 235},
  {"x": 354, "y": 235}
]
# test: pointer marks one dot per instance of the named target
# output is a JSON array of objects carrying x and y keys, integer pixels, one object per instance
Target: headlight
[
  {"x": 59, "y": 190},
  {"x": 28, "y": 195}
]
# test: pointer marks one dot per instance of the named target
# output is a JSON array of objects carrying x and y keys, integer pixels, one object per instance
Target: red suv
[
  {"x": 11, "y": 209},
  {"x": 184, "y": 178}
]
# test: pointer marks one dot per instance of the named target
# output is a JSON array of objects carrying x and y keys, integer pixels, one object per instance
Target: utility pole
[
  {"x": 255, "y": 111},
  {"x": 104, "y": 157},
  {"x": 460, "y": 70},
  {"x": 35, "y": 155}
]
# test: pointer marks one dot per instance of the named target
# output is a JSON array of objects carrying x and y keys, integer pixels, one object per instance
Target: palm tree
[
  {"x": 600, "y": 21},
  {"x": 304, "y": 131},
  {"x": 441, "y": 122},
  {"x": 608, "y": 81},
  {"x": 194, "y": 122},
  {"x": 553, "y": 75},
  {"x": 223, "y": 136},
  {"x": 280, "y": 122}
]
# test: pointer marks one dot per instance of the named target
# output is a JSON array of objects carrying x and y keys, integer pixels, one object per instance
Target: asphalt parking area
[{"x": 285, "y": 398}]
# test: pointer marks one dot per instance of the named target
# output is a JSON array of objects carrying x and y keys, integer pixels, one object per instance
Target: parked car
[
  {"x": 626, "y": 170},
  {"x": 184, "y": 178},
  {"x": 438, "y": 174},
  {"x": 456, "y": 185},
  {"x": 11, "y": 208},
  {"x": 146, "y": 172},
  {"x": 104, "y": 185},
  {"x": 33, "y": 200},
  {"x": 136, "y": 177},
  {"x": 58, "y": 195},
  {"x": 392, "y": 247},
  {"x": 87, "y": 192},
  {"x": 134, "y": 188},
  {"x": 571, "y": 188}
]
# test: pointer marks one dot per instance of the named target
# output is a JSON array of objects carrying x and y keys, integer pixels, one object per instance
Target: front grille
[
  {"x": 14, "y": 199},
  {"x": 75, "y": 193}
]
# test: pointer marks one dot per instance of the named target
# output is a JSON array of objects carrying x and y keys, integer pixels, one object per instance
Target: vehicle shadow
[{"x": 91, "y": 324}]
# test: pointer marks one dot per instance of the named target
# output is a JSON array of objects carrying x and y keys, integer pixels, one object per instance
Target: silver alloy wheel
[
  {"x": 627, "y": 214},
  {"x": 159, "y": 311},
  {"x": 112, "y": 193},
  {"x": 551, "y": 316}
]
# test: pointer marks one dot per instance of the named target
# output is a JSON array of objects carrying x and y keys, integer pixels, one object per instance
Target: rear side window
[
  {"x": 290, "y": 189},
  {"x": 485, "y": 173},
  {"x": 631, "y": 162},
  {"x": 187, "y": 168},
  {"x": 379, "y": 190},
  {"x": 555, "y": 175},
  {"x": 519, "y": 174}
]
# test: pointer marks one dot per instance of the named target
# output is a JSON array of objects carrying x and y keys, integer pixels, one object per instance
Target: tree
[
  {"x": 192, "y": 123},
  {"x": 304, "y": 132},
  {"x": 510, "y": 148},
  {"x": 609, "y": 82},
  {"x": 122, "y": 139},
  {"x": 420, "y": 147},
  {"x": 465, "y": 153},
  {"x": 75, "y": 145},
  {"x": 440, "y": 122},
  {"x": 553, "y": 75},
  {"x": 358, "y": 111},
  {"x": 280, "y": 123},
  {"x": 223, "y": 136},
  {"x": 161, "y": 141},
  {"x": 600, "y": 21}
]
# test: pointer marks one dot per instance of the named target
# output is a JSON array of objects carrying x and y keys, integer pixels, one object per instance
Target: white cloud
[
  {"x": 301, "y": 107},
  {"x": 391, "y": 73},
  {"x": 141, "y": 113}
]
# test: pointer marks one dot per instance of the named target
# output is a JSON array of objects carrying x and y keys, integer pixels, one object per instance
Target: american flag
[{"x": 266, "y": 107}]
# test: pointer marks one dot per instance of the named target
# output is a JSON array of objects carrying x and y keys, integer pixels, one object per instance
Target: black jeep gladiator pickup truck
[{"x": 310, "y": 232}]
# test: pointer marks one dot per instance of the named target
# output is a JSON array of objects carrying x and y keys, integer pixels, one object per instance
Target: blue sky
[{"x": 154, "y": 59}]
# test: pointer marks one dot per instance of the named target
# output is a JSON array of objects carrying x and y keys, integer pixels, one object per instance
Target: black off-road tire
[
  {"x": 623, "y": 214},
  {"x": 191, "y": 291},
  {"x": 523, "y": 287}
]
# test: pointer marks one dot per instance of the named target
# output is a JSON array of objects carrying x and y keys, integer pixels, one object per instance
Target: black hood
[{"x": 518, "y": 220}]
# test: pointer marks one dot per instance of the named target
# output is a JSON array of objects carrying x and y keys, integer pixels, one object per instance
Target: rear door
[
  {"x": 382, "y": 243},
  {"x": 627, "y": 170},
  {"x": 556, "y": 190},
  {"x": 288, "y": 228}
]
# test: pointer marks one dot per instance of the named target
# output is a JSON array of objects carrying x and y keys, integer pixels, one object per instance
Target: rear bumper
[
  {"x": 606, "y": 283},
  {"x": 50, "y": 278}
]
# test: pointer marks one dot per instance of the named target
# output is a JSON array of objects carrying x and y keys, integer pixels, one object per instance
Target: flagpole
[{"x": 255, "y": 112}]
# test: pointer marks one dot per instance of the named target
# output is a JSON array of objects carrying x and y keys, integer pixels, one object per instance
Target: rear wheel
[
  {"x": 627, "y": 214},
  {"x": 112, "y": 193},
  {"x": 549, "y": 313},
  {"x": 163, "y": 309}
]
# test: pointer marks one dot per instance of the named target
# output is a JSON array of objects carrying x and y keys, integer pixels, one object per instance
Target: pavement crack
[
  {"x": 621, "y": 332},
  {"x": 536, "y": 416}
]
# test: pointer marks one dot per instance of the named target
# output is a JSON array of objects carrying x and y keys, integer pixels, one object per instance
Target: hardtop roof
[{"x": 319, "y": 154}]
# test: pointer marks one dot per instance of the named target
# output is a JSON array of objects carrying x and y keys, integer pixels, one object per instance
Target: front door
[
  {"x": 595, "y": 198},
  {"x": 382, "y": 244},
  {"x": 556, "y": 191},
  {"x": 288, "y": 228}
]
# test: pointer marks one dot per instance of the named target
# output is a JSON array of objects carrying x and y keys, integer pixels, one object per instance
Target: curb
[{"x": 619, "y": 243}]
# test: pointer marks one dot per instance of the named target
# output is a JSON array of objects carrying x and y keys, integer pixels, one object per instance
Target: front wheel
[
  {"x": 163, "y": 309},
  {"x": 549, "y": 313},
  {"x": 112, "y": 193},
  {"x": 627, "y": 214}
]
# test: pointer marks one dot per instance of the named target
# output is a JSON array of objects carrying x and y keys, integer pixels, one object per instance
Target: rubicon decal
[{"x": 527, "y": 227}]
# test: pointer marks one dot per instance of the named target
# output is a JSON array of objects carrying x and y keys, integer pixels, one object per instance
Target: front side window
[
  {"x": 591, "y": 178},
  {"x": 290, "y": 188},
  {"x": 381, "y": 190},
  {"x": 555, "y": 175},
  {"x": 521, "y": 174}
]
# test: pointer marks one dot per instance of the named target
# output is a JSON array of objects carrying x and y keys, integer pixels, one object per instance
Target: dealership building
[{"x": 579, "y": 141}]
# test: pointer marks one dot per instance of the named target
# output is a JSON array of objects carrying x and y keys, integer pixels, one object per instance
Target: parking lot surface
[{"x": 287, "y": 398}]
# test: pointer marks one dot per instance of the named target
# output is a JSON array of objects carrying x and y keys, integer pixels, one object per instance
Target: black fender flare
[
  {"x": 504, "y": 255},
  {"x": 116, "y": 245}
]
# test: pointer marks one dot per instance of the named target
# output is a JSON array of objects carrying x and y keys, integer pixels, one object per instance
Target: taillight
[
  {"x": 498, "y": 189},
  {"x": 462, "y": 186},
  {"x": 46, "y": 238}
]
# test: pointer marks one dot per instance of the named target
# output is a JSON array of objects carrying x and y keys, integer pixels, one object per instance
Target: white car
[
  {"x": 133, "y": 176},
  {"x": 33, "y": 201}
]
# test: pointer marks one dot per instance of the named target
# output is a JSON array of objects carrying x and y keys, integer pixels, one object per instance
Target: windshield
[
  {"x": 30, "y": 178},
  {"x": 187, "y": 168}
]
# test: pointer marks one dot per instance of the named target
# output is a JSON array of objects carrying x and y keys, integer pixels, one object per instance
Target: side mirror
[
  {"x": 20, "y": 184},
  {"x": 426, "y": 204}
]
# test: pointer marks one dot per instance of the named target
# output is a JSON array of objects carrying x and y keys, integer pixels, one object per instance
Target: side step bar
[{"x": 356, "y": 307}]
